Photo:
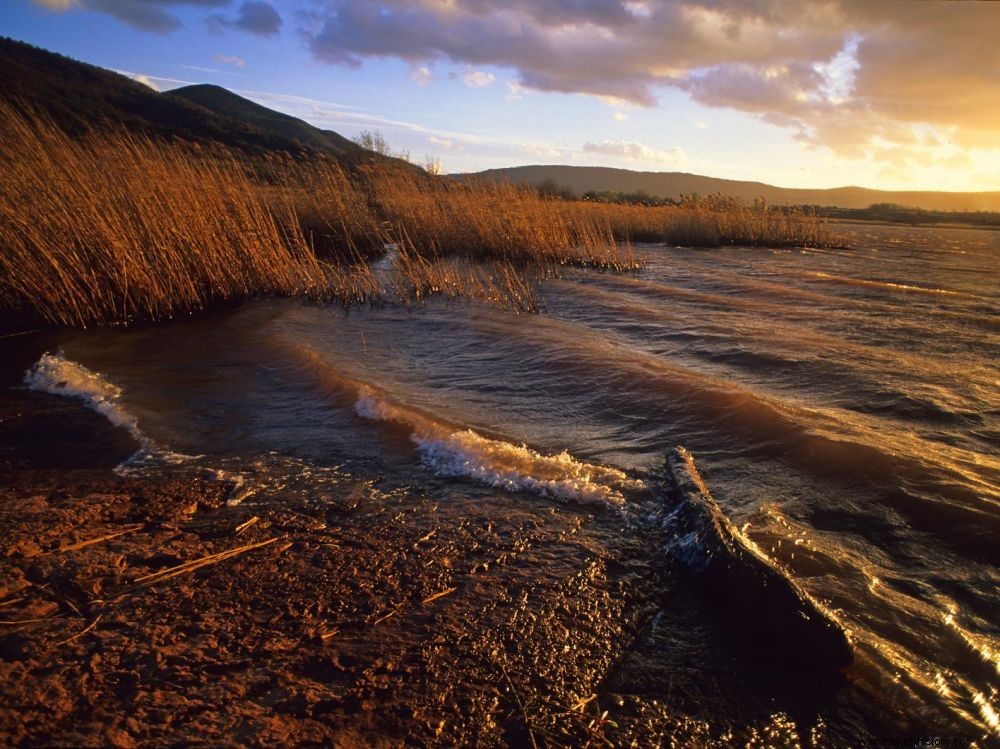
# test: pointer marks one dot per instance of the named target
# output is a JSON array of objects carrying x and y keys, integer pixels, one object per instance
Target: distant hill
[
  {"x": 80, "y": 97},
  {"x": 582, "y": 179},
  {"x": 226, "y": 103}
]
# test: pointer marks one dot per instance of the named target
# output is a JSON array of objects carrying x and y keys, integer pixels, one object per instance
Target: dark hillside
[
  {"x": 82, "y": 97},
  {"x": 226, "y": 103}
]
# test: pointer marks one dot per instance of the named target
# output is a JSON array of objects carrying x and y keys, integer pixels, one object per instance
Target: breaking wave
[
  {"x": 457, "y": 452},
  {"x": 57, "y": 375}
]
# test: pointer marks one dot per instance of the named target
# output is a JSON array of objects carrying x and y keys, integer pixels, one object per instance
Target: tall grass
[
  {"x": 714, "y": 221},
  {"x": 117, "y": 228},
  {"x": 490, "y": 220},
  {"x": 113, "y": 227}
]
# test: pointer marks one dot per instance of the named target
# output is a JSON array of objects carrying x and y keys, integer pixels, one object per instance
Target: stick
[
  {"x": 524, "y": 712},
  {"x": 243, "y": 526},
  {"x": 147, "y": 580},
  {"x": 436, "y": 596},
  {"x": 89, "y": 542},
  {"x": 81, "y": 633},
  {"x": 11, "y": 623}
]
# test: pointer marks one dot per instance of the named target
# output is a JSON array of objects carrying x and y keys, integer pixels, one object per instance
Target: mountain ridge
[
  {"x": 583, "y": 179},
  {"x": 80, "y": 97}
]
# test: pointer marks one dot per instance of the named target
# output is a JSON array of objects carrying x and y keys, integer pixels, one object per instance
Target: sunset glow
[{"x": 802, "y": 95}]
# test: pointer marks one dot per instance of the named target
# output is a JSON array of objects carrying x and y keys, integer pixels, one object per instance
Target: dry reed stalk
[
  {"x": 81, "y": 633},
  {"x": 436, "y": 596},
  {"x": 156, "y": 577},
  {"x": 99, "y": 539}
]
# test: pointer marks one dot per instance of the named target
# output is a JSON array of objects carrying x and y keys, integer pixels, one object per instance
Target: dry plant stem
[
  {"x": 436, "y": 596},
  {"x": 81, "y": 633},
  {"x": 99, "y": 539},
  {"x": 11, "y": 623},
  {"x": 520, "y": 704},
  {"x": 152, "y": 579},
  {"x": 246, "y": 525}
]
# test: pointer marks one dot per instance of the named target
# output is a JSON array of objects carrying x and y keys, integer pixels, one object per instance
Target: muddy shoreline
[{"x": 141, "y": 610}]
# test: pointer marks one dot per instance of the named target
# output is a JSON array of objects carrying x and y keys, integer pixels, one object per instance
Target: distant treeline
[
  {"x": 901, "y": 214},
  {"x": 887, "y": 212}
]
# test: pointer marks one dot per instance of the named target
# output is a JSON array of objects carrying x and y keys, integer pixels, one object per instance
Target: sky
[{"x": 890, "y": 95}]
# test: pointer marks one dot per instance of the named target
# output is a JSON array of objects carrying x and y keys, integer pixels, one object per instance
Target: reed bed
[
  {"x": 490, "y": 220},
  {"x": 113, "y": 227},
  {"x": 715, "y": 221}
]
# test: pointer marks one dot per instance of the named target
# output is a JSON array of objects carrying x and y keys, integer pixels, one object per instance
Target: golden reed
[{"x": 114, "y": 227}]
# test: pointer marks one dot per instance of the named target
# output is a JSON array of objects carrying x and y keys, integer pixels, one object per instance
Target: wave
[
  {"x": 464, "y": 453},
  {"x": 57, "y": 375},
  {"x": 890, "y": 285}
]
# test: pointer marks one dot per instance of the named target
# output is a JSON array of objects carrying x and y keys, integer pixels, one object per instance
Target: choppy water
[{"x": 843, "y": 406}]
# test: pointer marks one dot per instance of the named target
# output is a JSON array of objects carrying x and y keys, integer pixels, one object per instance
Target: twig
[
  {"x": 89, "y": 542},
  {"x": 383, "y": 618},
  {"x": 524, "y": 711},
  {"x": 147, "y": 580},
  {"x": 11, "y": 623},
  {"x": 436, "y": 596},
  {"x": 428, "y": 537},
  {"x": 23, "y": 332},
  {"x": 81, "y": 633},
  {"x": 243, "y": 526},
  {"x": 327, "y": 635}
]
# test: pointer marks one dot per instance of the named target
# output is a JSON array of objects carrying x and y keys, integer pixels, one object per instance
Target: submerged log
[{"x": 754, "y": 592}]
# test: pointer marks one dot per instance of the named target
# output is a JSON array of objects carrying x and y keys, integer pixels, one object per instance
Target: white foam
[
  {"x": 458, "y": 452},
  {"x": 55, "y": 374}
]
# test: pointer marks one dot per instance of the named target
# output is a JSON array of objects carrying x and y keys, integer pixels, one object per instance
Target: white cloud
[
  {"x": 447, "y": 143},
  {"x": 478, "y": 79},
  {"x": 620, "y": 116},
  {"x": 237, "y": 62},
  {"x": 633, "y": 151},
  {"x": 421, "y": 75}
]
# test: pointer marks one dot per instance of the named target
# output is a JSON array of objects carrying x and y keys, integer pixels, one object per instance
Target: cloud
[
  {"x": 620, "y": 116},
  {"x": 632, "y": 151},
  {"x": 146, "y": 81},
  {"x": 839, "y": 73},
  {"x": 255, "y": 17},
  {"x": 145, "y": 15},
  {"x": 515, "y": 91},
  {"x": 478, "y": 79},
  {"x": 236, "y": 62},
  {"x": 422, "y": 75},
  {"x": 446, "y": 143}
]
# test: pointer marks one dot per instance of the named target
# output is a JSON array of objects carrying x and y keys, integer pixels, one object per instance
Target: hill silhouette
[
  {"x": 227, "y": 104},
  {"x": 81, "y": 97},
  {"x": 583, "y": 179}
]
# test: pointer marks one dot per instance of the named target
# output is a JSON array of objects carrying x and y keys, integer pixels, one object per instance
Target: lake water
[{"x": 842, "y": 405}]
